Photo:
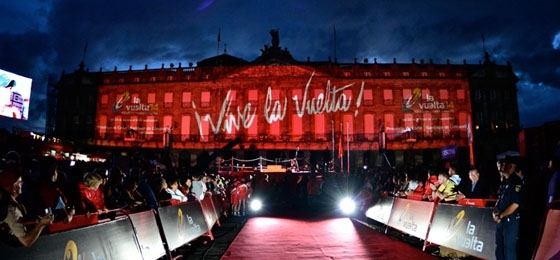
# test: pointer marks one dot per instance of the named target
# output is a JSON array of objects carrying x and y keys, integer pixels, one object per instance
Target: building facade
[{"x": 278, "y": 105}]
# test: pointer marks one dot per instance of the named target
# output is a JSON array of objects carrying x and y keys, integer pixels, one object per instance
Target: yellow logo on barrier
[
  {"x": 455, "y": 224},
  {"x": 181, "y": 225},
  {"x": 71, "y": 251}
]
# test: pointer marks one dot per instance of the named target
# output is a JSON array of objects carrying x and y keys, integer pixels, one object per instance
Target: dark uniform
[{"x": 508, "y": 228}]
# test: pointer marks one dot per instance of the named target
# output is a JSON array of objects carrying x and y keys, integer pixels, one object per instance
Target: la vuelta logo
[
  {"x": 413, "y": 103},
  {"x": 127, "y": 104},
  {"x": 468, "y": 239}
]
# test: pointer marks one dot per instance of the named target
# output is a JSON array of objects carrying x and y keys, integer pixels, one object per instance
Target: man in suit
[{"x": 475, "y": 188}]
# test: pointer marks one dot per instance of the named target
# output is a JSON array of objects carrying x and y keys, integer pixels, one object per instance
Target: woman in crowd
[
  {"x": 174, "y": 191},
  {"x": 91, "y": 194}
]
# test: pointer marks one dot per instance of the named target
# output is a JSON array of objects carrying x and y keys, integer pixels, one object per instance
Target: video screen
[{"x": 15, "y": 91}]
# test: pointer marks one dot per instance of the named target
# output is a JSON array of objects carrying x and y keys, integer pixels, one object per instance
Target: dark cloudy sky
[{"x": 42, "y": 38}]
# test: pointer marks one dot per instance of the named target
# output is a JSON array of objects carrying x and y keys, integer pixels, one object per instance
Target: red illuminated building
[{"x": 277, "y": 105}]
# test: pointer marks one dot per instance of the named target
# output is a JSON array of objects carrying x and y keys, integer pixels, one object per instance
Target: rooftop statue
[{"x": 275, "y": 38}]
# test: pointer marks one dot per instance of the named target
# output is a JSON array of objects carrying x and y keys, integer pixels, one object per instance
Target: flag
[{"x": 219, "y": 32}]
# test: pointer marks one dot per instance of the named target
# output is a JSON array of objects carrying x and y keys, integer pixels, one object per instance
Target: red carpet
[{"x": 337, "y": 238}]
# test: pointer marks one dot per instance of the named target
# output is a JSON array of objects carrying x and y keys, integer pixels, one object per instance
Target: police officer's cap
[{"x": 512, "y": 159}]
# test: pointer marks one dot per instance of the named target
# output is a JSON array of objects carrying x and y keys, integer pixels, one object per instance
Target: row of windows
[
  {"x": 368, "y": 124},
  {"x": 253, "y": 96},
  {"x": 367, "y": 74}
]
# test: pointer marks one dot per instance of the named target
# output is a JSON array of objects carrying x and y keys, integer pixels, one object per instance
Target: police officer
[{"x": 506, "y": 212}]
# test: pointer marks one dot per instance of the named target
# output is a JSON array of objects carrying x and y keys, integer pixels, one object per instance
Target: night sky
[{"x": 42, "y": 38}]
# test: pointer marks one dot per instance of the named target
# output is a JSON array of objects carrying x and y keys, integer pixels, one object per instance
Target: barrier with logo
[
  {"x": 381, "y": 211},
  {"x": 411, "y": 216},
  {"x": 549, "y": 245},
  {"x": 141, "y": 235},
  {"x": 147, "y": 231},
  {"x": 209, "y": 210},
  {"x": 182, "y": 223},
  {"x": 110, "y": 240},
  {"x": 464, "y": 228}
]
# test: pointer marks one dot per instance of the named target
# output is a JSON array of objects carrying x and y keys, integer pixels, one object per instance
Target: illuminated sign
[{"x": 15, "y": 91}]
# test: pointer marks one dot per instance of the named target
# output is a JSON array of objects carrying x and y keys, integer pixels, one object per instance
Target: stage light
[
  {"x": 347, "y": 206},
  {"x": 255, "y": 205}
]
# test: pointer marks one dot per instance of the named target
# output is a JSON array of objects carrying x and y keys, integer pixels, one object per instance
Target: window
[
  {"x": 185, "y": 127},
  {"x": 369, "y": 126},
  {"x": 102, "y": 125},
  {"x": 389, "y": 123},
  {"x": 424, "y": 74},
  {"x": 492, "y": 95},
  {"x": 368, "y": 97},
  {"x": 205, "y": 99},
  {"x": 406, "y": 74},
  {"x": 186, "y": 100},
  {"x": 104, "y": 100},
  {"x": 387, "y": 74},
  {"x": 478, "y": 95},
  {"x": 151, "y": 98},
  {"x": 461, "y": 95},
  {"x": 297, "y": 126},
  {"x": 388, "y": 96},
  {"x": 168, "y": 100},
  {"x": 444, "y": 94},
  {"x": 441, "y": 74},
  {"x": 320, "y": 124},
  {"x": 253, "y": 96},
  {"x": 425, "y": 94}
]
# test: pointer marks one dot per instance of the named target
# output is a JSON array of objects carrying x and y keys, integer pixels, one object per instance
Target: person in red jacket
[{"x": 91, "y": 194}]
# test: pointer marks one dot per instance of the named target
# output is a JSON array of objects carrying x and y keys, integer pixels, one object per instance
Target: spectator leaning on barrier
[
  {"x": 506, "y": 212},
  {"x": 430, "y": 185},
  {"x": 12, "y": 228},
  {"x": 446, "y": 190}
]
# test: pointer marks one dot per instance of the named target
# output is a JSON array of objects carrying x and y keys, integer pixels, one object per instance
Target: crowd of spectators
[{"x": 39, "y": 191}]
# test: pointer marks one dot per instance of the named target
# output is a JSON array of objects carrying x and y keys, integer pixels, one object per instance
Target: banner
[
  {"x": 412, "y": 217},
  {"x": 549, "y": 247},
  {"x": 147, "y": 231},
  {"x": 467, "y": 229},
  {"x": 381, "y": 211},
  {"x": 448, "y": 152},
  {"x": 110, "y": 240},
  {"x": 182, "y": 223}
]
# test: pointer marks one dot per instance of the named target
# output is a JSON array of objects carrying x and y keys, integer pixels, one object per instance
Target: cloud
[{"x": 45, "y": 37}]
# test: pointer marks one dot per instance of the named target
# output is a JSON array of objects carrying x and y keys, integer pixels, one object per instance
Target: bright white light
[
  {"x": 347, "y": 206},
  {"x": 256, "y": 204}
]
